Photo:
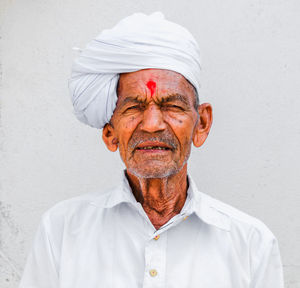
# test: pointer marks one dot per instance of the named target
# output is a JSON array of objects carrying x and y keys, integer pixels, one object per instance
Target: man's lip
[{"x": 153, "y": 144}]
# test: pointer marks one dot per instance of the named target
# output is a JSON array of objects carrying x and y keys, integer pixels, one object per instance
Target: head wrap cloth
[{"x": 137, "y": 42}]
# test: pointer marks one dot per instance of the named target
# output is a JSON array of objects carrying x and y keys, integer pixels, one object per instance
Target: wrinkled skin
[{"x": 153, "y": 126}]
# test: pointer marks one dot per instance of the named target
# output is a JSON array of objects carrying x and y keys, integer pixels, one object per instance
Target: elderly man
[{"x": 140, "y": 82}]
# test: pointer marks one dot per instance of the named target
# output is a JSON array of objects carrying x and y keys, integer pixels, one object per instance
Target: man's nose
[{"x": 153, "y": 119}]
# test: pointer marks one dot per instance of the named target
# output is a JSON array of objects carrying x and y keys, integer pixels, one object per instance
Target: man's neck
[{"x": 161, "y": 198}]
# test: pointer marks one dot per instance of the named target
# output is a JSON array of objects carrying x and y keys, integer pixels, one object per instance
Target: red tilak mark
[{"x": 151, "y": 85}]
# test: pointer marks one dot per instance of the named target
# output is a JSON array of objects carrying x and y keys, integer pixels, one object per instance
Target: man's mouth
[{"x": 153, "y": 146}]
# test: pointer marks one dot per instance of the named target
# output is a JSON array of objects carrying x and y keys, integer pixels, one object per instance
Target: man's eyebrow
[
  {"x": 132, "y": 100},
  {"x": 175, "y": 97},
  {"x": 164, "y": 99}
]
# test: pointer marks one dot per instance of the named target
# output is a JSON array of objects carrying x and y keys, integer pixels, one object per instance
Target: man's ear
[
  {"x": 109, "y": 138},
  {"x": 203, "y": 125}
]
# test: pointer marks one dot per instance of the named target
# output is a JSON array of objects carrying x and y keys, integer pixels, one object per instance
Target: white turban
[{"x": 137, "y": 42}]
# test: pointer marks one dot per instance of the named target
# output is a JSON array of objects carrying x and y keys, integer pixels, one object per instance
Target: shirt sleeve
[
  {"x": 41, "y": 269},
  {"x": 267, "y": 266}
]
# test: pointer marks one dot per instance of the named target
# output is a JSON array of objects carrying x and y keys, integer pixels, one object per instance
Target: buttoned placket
[
  {"x": 155, "y": 254},
  {"x": 155, "y": 261},
  {"x": 156, "y": 246},
  {"x": 156, "y": 249}
]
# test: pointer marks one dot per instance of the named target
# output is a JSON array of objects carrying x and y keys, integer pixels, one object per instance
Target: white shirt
[{"x": 107, "y": 240}]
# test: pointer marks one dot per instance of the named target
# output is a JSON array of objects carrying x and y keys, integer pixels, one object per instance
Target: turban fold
[{"x": 137, "y": 42}]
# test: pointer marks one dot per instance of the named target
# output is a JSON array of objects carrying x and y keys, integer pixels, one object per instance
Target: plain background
[{"x": 251, "y": 75}]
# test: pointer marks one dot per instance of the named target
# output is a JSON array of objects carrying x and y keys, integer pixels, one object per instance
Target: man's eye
[
  {"x": 173, "y": 107},
  {"x": 134, "y": 107}
]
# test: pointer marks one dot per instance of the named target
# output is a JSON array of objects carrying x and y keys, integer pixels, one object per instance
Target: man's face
[{"x": 154, "y": 122}]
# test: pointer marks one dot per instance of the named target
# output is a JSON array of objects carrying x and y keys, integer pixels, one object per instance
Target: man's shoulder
[
  {"x": 237, "y": 220},
  {"x": 79, "y": 205}
]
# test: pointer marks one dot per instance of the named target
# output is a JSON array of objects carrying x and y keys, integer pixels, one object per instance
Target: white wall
[{"x": 251, "y": 72}]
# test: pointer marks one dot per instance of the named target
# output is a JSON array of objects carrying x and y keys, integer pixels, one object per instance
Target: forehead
[{"x": 166, "y": 81}]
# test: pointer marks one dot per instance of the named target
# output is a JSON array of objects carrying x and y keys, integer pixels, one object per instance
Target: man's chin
[{"x": 151, "y": 171}]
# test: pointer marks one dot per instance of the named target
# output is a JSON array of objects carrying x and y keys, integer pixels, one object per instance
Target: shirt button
[
  {"x": 156, "y": 237},
  {"x": 153, "y": 272}
]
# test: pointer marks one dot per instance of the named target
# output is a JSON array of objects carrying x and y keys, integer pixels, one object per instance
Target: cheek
[
  {"x": 175, "y": 118},
  {"x": 183, "y": 127},
  {"x": 129, "y": 123},
  {"x": 126, "y": 127},
  {"x": 180, "y": 122}
]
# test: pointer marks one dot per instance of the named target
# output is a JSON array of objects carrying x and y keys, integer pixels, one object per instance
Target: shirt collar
[
  {"x": 197, "y": 202},
  {"x": 205, "y": 208}
]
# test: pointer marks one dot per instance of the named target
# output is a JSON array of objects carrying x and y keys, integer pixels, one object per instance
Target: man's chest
[{"x": 121, "y": 255}]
